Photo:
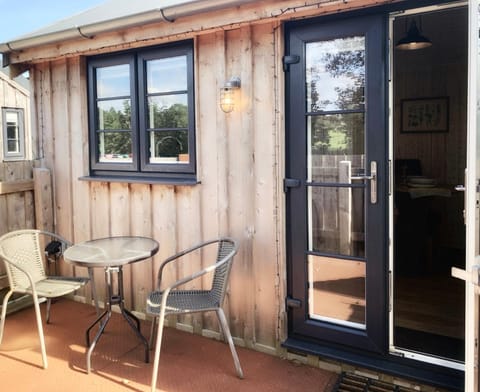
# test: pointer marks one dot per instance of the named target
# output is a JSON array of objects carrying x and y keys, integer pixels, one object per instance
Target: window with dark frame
[
  {"x": 141, "y": 114},
  {"x": 13, "y": 134}
]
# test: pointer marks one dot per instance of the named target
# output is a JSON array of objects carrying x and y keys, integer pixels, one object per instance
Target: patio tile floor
[{"x": 188, "y": 362}]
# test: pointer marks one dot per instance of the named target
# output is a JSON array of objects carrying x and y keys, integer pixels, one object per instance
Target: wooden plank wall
[
  {"x": 238, "y": 167},
  {"x": 16, "y": 201}
]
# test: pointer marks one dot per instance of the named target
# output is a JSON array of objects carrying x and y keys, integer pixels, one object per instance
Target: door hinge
[
  {"x": 290, "y": 183},
  {"x": 293, "y": 302},
  {"x": 291, "y": 59}
]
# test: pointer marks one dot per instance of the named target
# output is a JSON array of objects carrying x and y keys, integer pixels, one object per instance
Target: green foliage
[
  {"x": 336, "y": 134},
  {"x": 120, "y": 120},
  {"x": 168, "y": 142}
]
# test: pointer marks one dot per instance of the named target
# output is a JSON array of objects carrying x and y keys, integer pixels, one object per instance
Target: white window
[{"x": 13, "y": 134}]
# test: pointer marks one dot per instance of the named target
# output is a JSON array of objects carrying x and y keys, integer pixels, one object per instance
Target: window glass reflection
[
  {"x": 168, "y": 111},
  {"x": 13, "y": 132},
  {"x": 332, "y": 139},
  {"x": 114, "y": 114},
  {"x": 115, "y": 147},
  {"x": 336, "y": 216},
  {"x": 337, "y": 290},
  {"x": 113, "y": 81},
  {"x": 169, "y": 147},
  {"x": 166, "y": 75},
  {"x": 335, "y": 74}
]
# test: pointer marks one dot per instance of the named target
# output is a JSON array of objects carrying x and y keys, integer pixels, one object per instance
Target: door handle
[
  {"x": 472, "y": 276},
  {"x": 460, "y": 188},
  {"x": 373, "y": 181}
]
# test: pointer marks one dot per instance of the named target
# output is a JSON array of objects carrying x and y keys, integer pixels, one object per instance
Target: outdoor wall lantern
[{"x": 227, "y": 94}]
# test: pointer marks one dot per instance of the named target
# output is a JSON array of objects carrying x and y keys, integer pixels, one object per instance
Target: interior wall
[{"x": 437, "y": 71}]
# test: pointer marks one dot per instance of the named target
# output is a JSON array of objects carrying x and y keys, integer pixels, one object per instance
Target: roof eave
[{"x": 167, "y": 14}]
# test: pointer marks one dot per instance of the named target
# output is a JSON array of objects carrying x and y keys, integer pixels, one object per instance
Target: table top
[
  {"x": 111, "y": 251},
  {"x": 419, "y": 191}
]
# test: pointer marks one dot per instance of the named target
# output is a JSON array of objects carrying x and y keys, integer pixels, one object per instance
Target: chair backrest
[
  {"x": 227, "y": 248},
  {"x": 22, "y": 248}
]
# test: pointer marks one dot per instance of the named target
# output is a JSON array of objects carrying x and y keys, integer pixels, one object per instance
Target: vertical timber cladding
[{"x": 237, "y": 164}]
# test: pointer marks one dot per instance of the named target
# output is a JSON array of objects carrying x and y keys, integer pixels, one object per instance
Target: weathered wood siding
[
  {"x": 238, "y": 165},
  {"x": 16, "y": 182}
]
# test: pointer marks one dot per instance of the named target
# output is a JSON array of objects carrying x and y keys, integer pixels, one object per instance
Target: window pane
[
  {"x": 12, "y": 131},
  {"x": 337, "y": 290},
  {"x": 113, "y": 81},
  {"x": 168, "y": 111},
  {"x": 13, "y": 138},
  {"x": 12, "y": 120},
  {"x": 337, "y": 220},
  {"x": 169, "y": 147},
  {"x": 114, "y": 114},
  {"x": 335, "y": 138},
  {"x": 11, "y": 117},
  {"x": 115, "y": 146},
  {"x": 165, "y": 75},
  {"x": 13, "y": 146},
  {"x": 335, "y": 73}
]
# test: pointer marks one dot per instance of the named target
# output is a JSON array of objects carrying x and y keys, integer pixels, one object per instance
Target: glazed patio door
[
  {"x": 336, "y": 183},
  {"x": 472, "y": 219}
]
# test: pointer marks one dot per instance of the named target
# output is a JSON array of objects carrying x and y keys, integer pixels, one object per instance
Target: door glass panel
[
  {"x": 335, "y": 79},
  {"x": 333, "y": 139},
  {"x": 335, "y": 73},
  {"x": 428, "y": 227},
  {"x": 338, "y": 290},
  {"x": 337, "y": 220}
]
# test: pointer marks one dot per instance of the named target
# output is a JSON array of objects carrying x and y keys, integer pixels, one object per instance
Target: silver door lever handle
[{"x": 373, "y": 181}]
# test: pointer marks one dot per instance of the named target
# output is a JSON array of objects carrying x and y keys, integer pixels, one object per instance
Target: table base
[{"x": 114, "y": 299}]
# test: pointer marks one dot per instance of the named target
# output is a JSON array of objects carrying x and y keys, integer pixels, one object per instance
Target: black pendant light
[{"x": 413, "y": 40}]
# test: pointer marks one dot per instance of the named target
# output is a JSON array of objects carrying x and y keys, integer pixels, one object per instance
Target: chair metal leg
[
  {"x": 49, "y": 304},
  {"x": 40, "y": 331},
  {"x": 226, "y": 332},
  {"x": 158, "y": 346},
  {"x": 152, "y": 332},
  {"x": 4, "y": 313}
]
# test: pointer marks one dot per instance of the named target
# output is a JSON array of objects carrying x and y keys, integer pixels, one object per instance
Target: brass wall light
[
  {"x": 413, "y": 40},
  {"x": 227, "y": 94}
]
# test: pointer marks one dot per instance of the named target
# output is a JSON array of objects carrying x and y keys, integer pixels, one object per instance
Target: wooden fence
[{"x": 25, "y": 200}]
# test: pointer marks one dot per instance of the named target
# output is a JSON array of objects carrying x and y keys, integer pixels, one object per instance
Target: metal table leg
[{"x": 114, "y": 299}]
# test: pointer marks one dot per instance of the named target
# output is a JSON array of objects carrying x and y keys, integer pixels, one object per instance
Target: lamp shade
[
  {"x": 413, "y": 40},
  {"x": 228, "y": 96}
]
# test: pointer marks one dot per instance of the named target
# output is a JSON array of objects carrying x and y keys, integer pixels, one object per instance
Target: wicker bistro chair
[
  {"x": 170, "y": 300},
  {"x": 24, "y": 262}
]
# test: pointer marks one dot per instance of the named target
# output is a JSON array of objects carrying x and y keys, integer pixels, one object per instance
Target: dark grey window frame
[
  {"x": 7, "y": 155},
  {"x": 140, "y": 169}
]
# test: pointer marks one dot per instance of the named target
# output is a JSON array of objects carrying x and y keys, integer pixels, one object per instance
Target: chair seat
[
  {"x": 182, "y": 301},
  {"x": 51, "y": 288}
]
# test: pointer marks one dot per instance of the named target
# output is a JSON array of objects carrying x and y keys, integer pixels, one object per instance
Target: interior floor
[{"x": 429, "y": 315}]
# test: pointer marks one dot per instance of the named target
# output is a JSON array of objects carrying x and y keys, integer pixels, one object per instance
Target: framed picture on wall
[{"x": 424, "y": 115}]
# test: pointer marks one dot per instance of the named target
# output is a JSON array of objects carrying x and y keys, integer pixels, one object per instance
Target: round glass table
[{"x": 112, "y": 253}]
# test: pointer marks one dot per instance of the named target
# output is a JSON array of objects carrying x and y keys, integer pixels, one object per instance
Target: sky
[{"x": 21, "y": 17}]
